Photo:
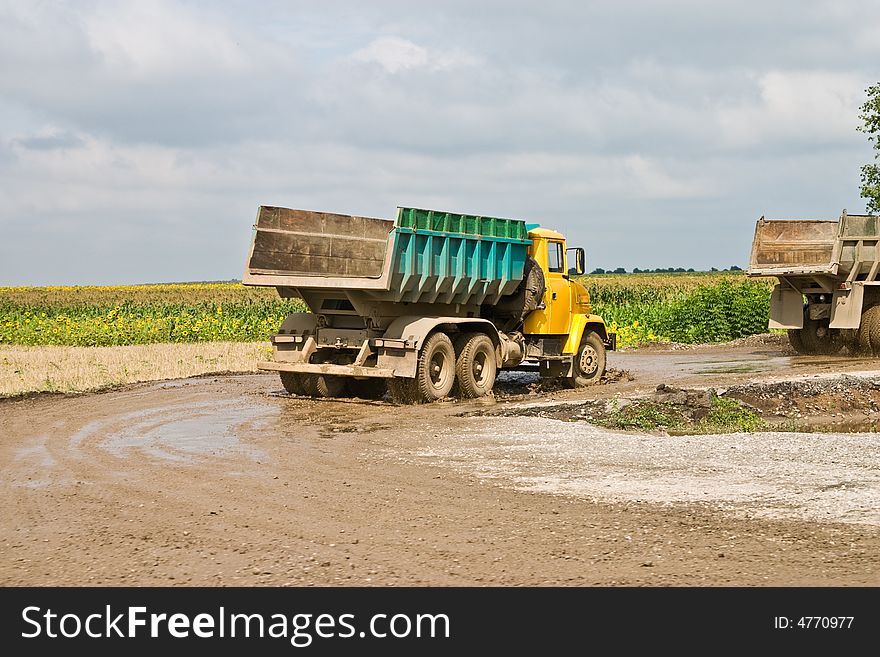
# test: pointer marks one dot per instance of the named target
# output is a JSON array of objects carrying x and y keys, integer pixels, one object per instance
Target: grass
[
  {"x": 76, "y": 369},
  {"x": 724, "y": 416}
]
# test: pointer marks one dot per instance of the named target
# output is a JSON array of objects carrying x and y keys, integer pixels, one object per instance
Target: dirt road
[{"x": 227, "y": 481}]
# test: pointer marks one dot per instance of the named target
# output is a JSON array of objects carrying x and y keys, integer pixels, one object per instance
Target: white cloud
[
  {"x": 815, "y": 107},
  {"x": 651, "y": 180},
  {"x": 395, "y": 54},
  {"x": 156, "y": 38}
]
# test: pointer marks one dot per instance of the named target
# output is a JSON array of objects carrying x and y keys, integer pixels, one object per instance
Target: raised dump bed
[
  {"x": 423, "y": 256},
  {"x": 793, "y": 247},
  {"x": 800, "y": 247}
]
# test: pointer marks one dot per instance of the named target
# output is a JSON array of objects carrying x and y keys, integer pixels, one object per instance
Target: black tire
[
  {"x": 850, "y": 340},
  {"x": 475, "y": 366},
  {"x": 309, "y": 384},
  {"x": 863, "y": 333},
  {"x": 435, "y": 374},
  {"x": 330, "y": 386},
  {"x": 818, "y": 338},
  {"x": 872, "y": 332},
  {"x": 794, "y": 339},
  {"x": 403, "y": 391},
  {"x": 589, "y": 362},
  {"x": 367, "y": 388},
  {"x": 292, "y": 382},
  {"x": 512, "y": 309}
]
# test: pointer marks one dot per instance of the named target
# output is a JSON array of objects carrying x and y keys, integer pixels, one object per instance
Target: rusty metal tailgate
[
  {"x": 791, "y": 247},
  {"x": 302, "y": 243}
]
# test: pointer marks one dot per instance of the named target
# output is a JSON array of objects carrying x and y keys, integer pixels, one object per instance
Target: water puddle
[
  {"x": 681, "y": 365},
  {"x": 180, "y": 433},
  {"x": 732, "y": 367}
]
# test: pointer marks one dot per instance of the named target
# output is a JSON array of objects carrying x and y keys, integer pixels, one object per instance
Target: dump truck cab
[
  {"x": 548, "y": 250},
  {"x": 566, "y": 313},
  {"x": 429, "y": 303}
]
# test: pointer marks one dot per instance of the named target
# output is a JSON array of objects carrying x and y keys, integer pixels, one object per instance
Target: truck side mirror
[{"x": 580, "y": 262}]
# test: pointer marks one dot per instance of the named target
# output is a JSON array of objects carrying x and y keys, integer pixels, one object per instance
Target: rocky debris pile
[
  {"x": 845, "y": 403},
  {"x": 698, "y": 401},
  {"x": 687, "y": 406},
  {"x": 810, "y": 397}
]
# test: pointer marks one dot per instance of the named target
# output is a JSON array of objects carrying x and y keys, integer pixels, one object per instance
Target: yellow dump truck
[
  {"x": 432, "y": 303},
  {"x": 828, "y": 296}
]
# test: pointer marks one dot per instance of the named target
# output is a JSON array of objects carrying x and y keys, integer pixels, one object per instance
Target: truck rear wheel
[
  {"x": 817, "y": 337},
  {"x": 329, "y": 386},
  {"x": 309, "y": 384},
  {"x": 367, "y": 388},
  {"x": 292, "y": 382},
  {"x": 794, "y": 339},
  {"x": 475, "y": 366},
  {"x": 589, "y": 362},
  {"x": 869, "y": 331},
  {"x": 435, "y": 373}
]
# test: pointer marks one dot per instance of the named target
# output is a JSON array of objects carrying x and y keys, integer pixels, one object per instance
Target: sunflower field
[
  {"x": 140, "y": 314},
  {"x": 688, "y": 308}
]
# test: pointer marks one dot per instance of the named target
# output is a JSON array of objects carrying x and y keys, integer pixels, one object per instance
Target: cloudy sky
[{"x": 138, "y": 138}]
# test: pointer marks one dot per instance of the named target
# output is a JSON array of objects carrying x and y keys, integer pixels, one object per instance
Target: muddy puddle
[
  {"x": 179, "y": 433},
  {"x": 681, "y": 365}
]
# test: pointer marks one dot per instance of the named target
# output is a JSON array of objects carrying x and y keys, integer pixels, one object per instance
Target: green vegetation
[
  {"x": 724, "y": 416},
  {"x": 688, "y": 308},
  {"x": 647, "y": 416},
  {"x": 870, "y": 117},
  {"x": 640, "y": 307},
  {"x": 140, "y": 314},
  {"x": 727, "y": 416}
]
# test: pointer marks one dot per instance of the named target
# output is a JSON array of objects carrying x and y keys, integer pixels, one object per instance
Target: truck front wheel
[{"x": 589, "y": 362}]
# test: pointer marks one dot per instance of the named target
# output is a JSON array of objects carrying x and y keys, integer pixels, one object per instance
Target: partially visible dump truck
[
  {"x": 828, "y": 296},
  {"x": 432, "y": 303}
]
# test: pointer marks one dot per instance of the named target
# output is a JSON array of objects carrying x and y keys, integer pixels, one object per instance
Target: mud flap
[
  {"x": 786, "y": 308},
  {"x": 846, "y": 307},
  {"x": 556, "y": 368}
]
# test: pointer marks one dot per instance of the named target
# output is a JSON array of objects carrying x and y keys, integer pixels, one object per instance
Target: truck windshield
[{"x": 554, "y": 257}]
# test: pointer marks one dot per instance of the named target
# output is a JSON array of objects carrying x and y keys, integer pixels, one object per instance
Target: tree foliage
[{"x": 870, "y": 116}]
